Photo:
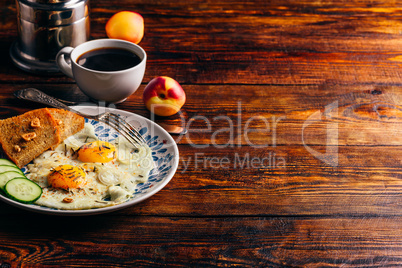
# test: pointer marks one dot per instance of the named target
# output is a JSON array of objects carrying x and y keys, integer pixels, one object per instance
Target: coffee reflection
[{"x": 109, "y": 59}]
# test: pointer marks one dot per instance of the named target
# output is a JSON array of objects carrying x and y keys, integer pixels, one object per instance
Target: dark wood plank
[
  {"x": 266, "y": 116},
  {"x": 286, "y": 180},
  {"x": 278, "y": 43},
  {"x": 247, "y": 242}
]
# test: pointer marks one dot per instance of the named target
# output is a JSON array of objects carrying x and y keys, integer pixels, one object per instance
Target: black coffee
[{"x": 108, "y": 59}]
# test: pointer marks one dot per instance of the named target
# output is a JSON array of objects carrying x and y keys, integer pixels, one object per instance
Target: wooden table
[{"x": 293, "y": 151}]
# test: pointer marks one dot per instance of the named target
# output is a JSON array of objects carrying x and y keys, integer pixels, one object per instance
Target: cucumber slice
[
  {"x": 23, "y": 190},
  {"x": 8, "y": 176},
  {"x": 6, "y": 162},
  {"x": 10, "y": 168}
]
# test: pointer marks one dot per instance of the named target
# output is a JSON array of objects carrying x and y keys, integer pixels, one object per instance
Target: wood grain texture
[
  {"x": 246, "y": 242},
  {"x": 266, "y": 116},
  {"x": 272, "y": 87},
  {"x": 277, "y": 43},
  {"x": 285, "y": 181}
]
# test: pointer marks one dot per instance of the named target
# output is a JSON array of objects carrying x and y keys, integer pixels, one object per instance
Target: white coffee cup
[{"x": 108, "y": 86}]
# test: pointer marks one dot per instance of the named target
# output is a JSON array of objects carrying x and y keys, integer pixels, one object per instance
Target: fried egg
[
  {"x": 97, "y": 152},
  {"x": 67, "y": 177},
  {"x": 84, "y": 172}
]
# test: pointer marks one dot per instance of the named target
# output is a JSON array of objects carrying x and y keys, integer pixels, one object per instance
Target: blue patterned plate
[{"x": 164, "y": 153}]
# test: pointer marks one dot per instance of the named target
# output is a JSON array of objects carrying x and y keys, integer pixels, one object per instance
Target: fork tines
[{"x": 124, "y": 128}]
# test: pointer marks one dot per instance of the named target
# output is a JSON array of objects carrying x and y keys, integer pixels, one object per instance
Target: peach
[
  {"x": 126, "y": 25},
  {"x": 164, "y": 96}
]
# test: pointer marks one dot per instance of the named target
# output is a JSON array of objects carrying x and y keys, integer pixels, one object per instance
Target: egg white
[{"x": 107, "y": 184}]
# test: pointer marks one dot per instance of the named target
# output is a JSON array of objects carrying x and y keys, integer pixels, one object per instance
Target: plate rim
[{"x": 131, "y": 202}]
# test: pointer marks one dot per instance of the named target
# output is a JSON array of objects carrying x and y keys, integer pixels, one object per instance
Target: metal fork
[{"x": 108, "y": 118}]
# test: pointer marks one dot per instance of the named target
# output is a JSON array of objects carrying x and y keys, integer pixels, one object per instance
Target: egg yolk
[
  {"x": 66, "y": 177},
  {"x": 97, "y": 152}
]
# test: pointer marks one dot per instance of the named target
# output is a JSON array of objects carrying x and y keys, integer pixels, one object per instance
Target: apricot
[{"x": 126, "y": 25}]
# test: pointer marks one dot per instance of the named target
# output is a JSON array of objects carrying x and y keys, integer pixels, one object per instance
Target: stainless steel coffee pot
[{"x": 46, "y": 26}]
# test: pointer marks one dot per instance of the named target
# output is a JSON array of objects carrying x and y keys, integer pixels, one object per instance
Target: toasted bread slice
[
  {"x": 69, "y": 123},
  {"x": 26, "y": 136}
]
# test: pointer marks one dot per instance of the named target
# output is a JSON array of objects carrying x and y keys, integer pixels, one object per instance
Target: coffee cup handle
[{"x": 64, "y": 65}]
